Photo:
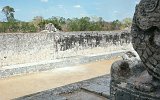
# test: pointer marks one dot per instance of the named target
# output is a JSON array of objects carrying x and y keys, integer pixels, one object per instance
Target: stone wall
[
  {"x": 16, "y": 48},
  {"x": 21, "y": 48}
]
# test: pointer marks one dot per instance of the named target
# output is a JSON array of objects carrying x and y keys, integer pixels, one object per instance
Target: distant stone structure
[
  {"x": 50, "y": 27},
  {"x": 133, "y": 79}
]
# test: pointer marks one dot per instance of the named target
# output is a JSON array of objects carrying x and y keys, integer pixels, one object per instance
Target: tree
[
  {"x": 84, "y": 23},
  {"x": 116, "y": 25},
  {"x": 37, "y": 22},
  {"x": 9, "y": 13},
  {"x": 62, "y": 20},
  {"x": 73, "y": 24},
  {"x": 127, "y": 22}
]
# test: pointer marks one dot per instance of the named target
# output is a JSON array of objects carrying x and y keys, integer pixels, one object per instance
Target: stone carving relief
[{"x": 135, "y": 79}]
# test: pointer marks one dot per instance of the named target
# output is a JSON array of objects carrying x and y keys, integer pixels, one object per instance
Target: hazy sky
[{"x": 108, "y": 9}]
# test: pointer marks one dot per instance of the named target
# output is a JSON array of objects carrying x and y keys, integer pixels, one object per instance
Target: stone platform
[
  {"x": 121, "y": 92},
  {"x": 20, "y": 69},
  {"x": 93, "y": 89}
]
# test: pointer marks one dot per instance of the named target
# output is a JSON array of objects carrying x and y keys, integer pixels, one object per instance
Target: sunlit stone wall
[{"x": 21, "y": 48}]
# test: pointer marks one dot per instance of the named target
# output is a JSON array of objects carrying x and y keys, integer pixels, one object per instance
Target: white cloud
[
  {"x": 44, "y": 0},
  {"x": 77, "y": 6}
]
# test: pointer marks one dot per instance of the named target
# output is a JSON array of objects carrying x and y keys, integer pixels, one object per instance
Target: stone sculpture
[{"x": 140, "y": 79}]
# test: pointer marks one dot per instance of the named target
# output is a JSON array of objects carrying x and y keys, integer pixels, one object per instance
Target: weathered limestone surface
[
  {"x": 21, "y": 48},
  {"x": 134, "y": 79}
]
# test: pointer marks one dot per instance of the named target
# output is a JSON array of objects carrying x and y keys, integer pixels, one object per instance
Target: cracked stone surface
[
  {"x": 92, "y": 89},
  {"x": 100, "y": 86}
]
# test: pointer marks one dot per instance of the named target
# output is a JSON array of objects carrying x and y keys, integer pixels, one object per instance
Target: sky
[{"x": 109, "y": 10}]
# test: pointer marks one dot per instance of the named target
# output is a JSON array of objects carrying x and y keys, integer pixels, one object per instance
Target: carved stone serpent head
[{"x": 146, "y": 35}]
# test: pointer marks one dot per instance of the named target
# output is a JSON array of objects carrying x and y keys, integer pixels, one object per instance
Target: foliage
[
  {"x": 9, "y": 13},
  {"x": 127, "y": 22},
  {"x": 75, "y": 24}
]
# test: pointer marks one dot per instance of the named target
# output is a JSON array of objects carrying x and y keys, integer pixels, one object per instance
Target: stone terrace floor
[{"x": 92, "y": 89}]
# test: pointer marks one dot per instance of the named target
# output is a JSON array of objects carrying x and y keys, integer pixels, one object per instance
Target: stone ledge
[{"x": 49, "y": 65}]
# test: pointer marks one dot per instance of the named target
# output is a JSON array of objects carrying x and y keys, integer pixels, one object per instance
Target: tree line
[{"x": 70, "y": 24}]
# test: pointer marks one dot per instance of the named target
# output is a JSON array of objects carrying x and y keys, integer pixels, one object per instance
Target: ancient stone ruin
[
  {"x": 34, "y": 52},
  {"x": 134, "y": 79},
  {"x": 50, "y": 27}
]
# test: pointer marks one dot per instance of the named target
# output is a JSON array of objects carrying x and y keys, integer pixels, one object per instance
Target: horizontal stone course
[{"x": 49, "y": 65}]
